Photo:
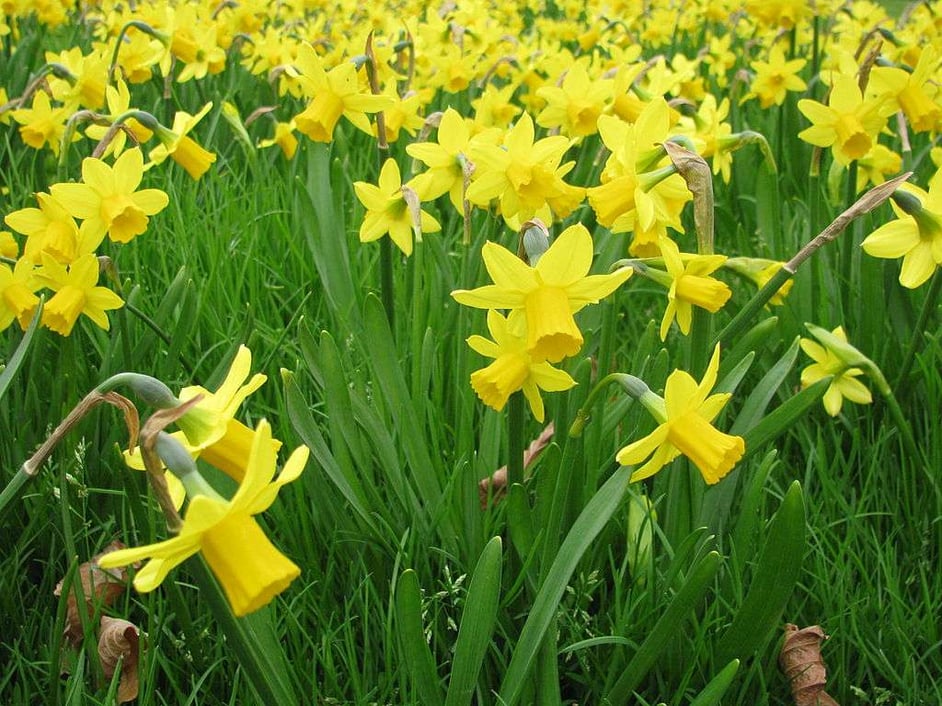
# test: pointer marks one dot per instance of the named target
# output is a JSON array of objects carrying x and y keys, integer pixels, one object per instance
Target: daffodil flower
[
  {"x": 209, "y": 429},
  {"x": 108, "y": 200},
  {"x": 685, "y": 415},
  {"x": 690, "y": 285},
  {"x": 828, "y": 363},
  {"x": 76, "y": 294},
  {"x": 915, "y": 235},
  {"x": 250, "y": 569},
  {"x": 180, "y": 147},
  {"x": 513, "y": 368},
  {"x": 550, "y": 293}
]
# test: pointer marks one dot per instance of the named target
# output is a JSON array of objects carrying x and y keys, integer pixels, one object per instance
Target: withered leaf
[
  {"x": 800, "y": 660},
  {"x": 119, "y": 641},
  {"x": 99, "y": 587}
]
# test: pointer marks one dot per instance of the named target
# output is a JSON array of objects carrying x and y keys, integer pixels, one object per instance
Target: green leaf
[
  {"x": 688, "y": 597},
  {"x": 713, "y": 692},
  {"x": 758, "y": 400},
  {"x": 420, "y": 664},
  {"x": 772, "y": 583},
  {"x": 584, "y": 530},
  {"x": 477, "y": 625},
  {"x": 783, "y": 417}
]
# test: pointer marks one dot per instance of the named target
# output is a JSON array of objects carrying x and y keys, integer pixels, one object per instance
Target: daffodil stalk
[
  {"x": 119, "y": 41},
  {"x": 634, "y": 386},
  {"x": 118, "y": 123},
  {"x": 919, "y": 331},
  {"x": 382, "y": 146},
  {"x": 866, "y": 203}
]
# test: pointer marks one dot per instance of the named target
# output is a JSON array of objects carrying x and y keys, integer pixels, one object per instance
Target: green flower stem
[
  {"x": 866, "y": 203},
  {"x": 386, "y": 281},
  {"x": 119, "y": 42},
  {"x": 264, "y": 670},
  {"x": 634, "y": 386},
  {"x": 919, "y": 332},
  {"x": 515, "y": 440},
  {"x": 848, "y": 244}
]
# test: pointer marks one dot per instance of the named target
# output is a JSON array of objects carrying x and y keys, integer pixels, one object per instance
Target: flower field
[{"x": 470, "y": 353}]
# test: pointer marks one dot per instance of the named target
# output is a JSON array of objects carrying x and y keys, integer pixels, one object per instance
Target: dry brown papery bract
[
  {"x": 800, "y": 660},
  {"x": 99, "y": 587},
  {"x": 118, "y": 640},
  {"x": 493, "y": 486}
]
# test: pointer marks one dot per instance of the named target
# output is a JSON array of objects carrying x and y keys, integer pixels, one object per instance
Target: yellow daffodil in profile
[
  {"x": 180, "y": 147},
  {"x": 209, "y": 429},
  {"x": 250, "y": 569},
  {"x": 685, "y": 415},
  {"x": 76, "y": 294},
  {"x": 18, "y": 298},
  {"x": 914, "y": 93},
  {"x": 915, "y": 236},
  {"x": 690, "y": 285},
  {"x": 848, "y": 124},
  {"x": 575, "y": 106},
  {"x": 760, "y": 270},
  {"x": 284, "y": 138},
  {"x": 513, "y": 367},
  {"x": 550, "y": 293},
  {"x": 388, "y": 209},
  {"x": 108, "y": 200},
  {"x": 828, "y": 363}
]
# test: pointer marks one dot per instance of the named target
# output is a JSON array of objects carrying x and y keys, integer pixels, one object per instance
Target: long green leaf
[
  {"x": 420, "y": 665},
  {"x": 758, "y": 400},
  {"x": 780, "y": 420},
  {"x": 690, "y": 595},
  {"x": 772, "y": 583},
  {"x": 713, "y": 692},
  {"x": 477, "y": 625},
  {"x": 584, "y": 530}
]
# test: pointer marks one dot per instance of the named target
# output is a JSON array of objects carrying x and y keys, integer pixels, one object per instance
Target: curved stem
[{"x": 919, "y": 331}]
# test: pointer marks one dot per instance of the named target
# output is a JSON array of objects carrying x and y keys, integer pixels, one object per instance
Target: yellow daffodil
[
  {"x": 575, "y": 106},
  {"x": 51, "y": 229},
  {"x": 513, "y": 368},
  {"x": 915, "y": 235},
  {"x": 284, "y": 138},
  {"x": 86, "y": 81},
  {"x": 388, "y": 211},
  {"x": 334, "y": 93},
  {"x": 119, "y": 101},
  {"x": 550, "y": 293},
  {"x": 76, "y": 294},
  {"x": 690, "y": 285},
  {"x": 914, "y": 93},
  {"x": 848, "y": 124},
  {"x": 42, "y": 124},
  {"x": 247, "y": 565},
  {"x": 760, "y": 271},
  {"x": 9, "y": 248},
  {"x": 445, "y": 158},
  {"x": 524, "y": 175},
  {"x": 18, "y": 298},
  {"x": 775, "y": 78},
  {"x": 827, "y": 363},
  {"x": 685, "y": 415},
  {"x": 108, "y": 200},
  {"x": 176, "y": 144},
  {"x": 209, "y": 429}
]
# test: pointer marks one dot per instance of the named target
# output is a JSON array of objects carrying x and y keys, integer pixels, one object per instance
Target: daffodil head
[
  {"x": 711, "y": 451},
  {"x": 254, "y": 574},
  {"x": 63, "y": 310},
  {"x": 552, "y": 333}
]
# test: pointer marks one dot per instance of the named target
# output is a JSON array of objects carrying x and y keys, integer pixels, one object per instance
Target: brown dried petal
[
  {"x": 99, "y": 587},
  {"x": 118, "y": 640}
]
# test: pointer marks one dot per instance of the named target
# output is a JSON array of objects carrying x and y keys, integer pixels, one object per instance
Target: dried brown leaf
[
  {"x": 800, "y": 660},
  {"x": 119, "y": 641},
  {"x": 494, "y": 485},
  {"x": 100, "y": 587}
]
